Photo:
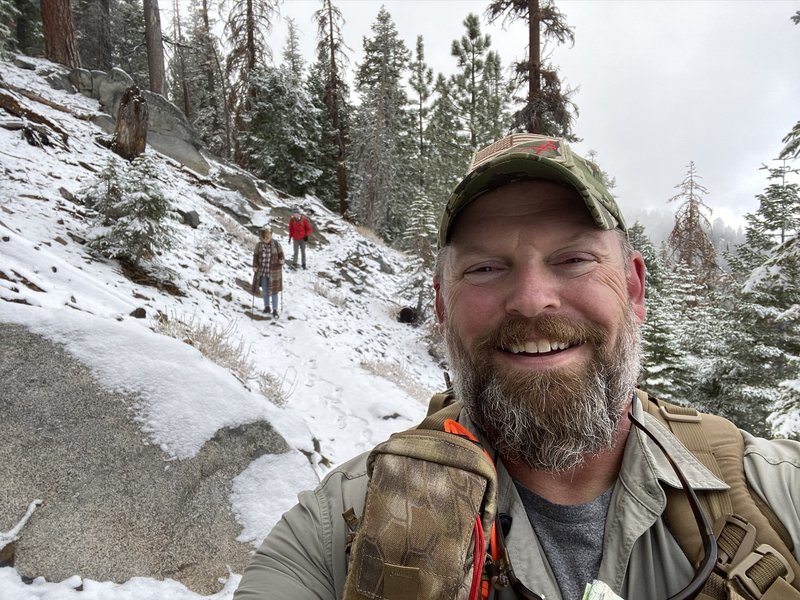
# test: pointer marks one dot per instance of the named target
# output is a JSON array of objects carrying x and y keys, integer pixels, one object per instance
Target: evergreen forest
[{"x": 382, "y": 143}]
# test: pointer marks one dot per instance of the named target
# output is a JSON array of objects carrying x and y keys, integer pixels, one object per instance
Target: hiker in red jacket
[{"x": 299, "y": 231}]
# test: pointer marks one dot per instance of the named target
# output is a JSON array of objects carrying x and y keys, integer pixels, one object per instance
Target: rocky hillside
[{"x": 140, "y": 444}]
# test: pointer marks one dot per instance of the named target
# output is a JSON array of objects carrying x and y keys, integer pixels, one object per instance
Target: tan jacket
[{"x": 303, "y": 557}]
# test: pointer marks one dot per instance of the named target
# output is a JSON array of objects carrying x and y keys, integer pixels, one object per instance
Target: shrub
[{"x": 132, "y": 210}]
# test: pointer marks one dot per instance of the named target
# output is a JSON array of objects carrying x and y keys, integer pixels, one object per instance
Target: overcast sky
[{"x": 660, "y": 83}]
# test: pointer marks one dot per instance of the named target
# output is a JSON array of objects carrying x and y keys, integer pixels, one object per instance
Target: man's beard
[{"x": 550, "y": 420}]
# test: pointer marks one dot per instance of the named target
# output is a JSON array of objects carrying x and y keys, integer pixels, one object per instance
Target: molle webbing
[
  {"x": 755, "y": 556},
  {"x": 430, "y": 496}
]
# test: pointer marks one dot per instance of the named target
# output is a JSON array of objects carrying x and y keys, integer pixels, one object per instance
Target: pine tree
[
  {"x": 548, "y": 108},
  {"x": 689, "y": 240},
  {"x": 668, "y": 368},
  {"x": 421, "y": 81},
  {"x": 60, "y": 43},
  {"x": 447, "y": 154},
  {"x": 777, "y": 286},
  {"x": 756, "y": 371},
  {"x": 382, "y": 137},
  {"x": 206, "y": 83},
  {"x": 330, "y": 71},
  {"x": 327, "y": 188},
  {"x": 129, "y": 52},
  {"x": 791, "y": 148},
  {"x": 93, "y": 29},
  {"x": 776, "y": 219},
  {"x": 791, "y": 141},
  {"x": 8, "y": 18},
  {"x": 496, "y": 120},
  {"x": 470, "y": 89},
  {"x": 292, "y": 55},
  {"x": 662, "y": 356},
  {"x": 778, "y": 214},
  {"x": 132, "y": 209},
  {"x": 247, "y": 24},
  {"x": 281, "y": 143},
  {"x": 421, "y": 227}
]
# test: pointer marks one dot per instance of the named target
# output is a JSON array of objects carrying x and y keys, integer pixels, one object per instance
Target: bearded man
[{"x": 540, "y": 298}]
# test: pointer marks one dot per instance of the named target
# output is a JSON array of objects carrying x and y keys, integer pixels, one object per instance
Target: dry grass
[
  {"x": 335, "y": 298},
  {"x": 235, "y": 230},
  {"x": 370, "y": 234},
  {"x": 400, "y": 376},
  {"x": 218, "y": 343}
]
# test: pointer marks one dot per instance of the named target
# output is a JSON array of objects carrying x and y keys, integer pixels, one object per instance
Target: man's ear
[
  {"x": 636, "y": 282},
  {"x": 439, "y": 301}
]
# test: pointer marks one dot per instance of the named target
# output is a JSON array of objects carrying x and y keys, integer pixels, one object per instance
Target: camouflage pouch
[{"x": 430, "y": 497}]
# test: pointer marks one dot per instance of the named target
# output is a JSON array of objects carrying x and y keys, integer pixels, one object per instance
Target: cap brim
[{"x": 518, "y": 167}]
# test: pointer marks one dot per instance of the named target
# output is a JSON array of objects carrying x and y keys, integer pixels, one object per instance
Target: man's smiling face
[{"x": 540, "y": 309}]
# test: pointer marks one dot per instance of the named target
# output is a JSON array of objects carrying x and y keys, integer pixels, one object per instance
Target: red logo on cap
[{"x": 548, "y": 145}]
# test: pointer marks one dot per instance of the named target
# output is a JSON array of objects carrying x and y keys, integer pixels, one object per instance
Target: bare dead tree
[
  {"x": 689, "y": 240},
  {"x": 130, "y": 136}
]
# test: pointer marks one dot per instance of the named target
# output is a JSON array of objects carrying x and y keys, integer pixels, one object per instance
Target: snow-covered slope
[{"x": 351, "y": 374}]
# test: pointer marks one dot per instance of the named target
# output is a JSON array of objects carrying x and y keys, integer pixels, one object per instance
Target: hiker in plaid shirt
[{"x": 268, "y": 263}]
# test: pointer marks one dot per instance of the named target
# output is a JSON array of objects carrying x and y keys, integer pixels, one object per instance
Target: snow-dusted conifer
[
  {"x": 662, "y": 362},
  {"x": 327, "y": 82},
  {"x": 448, "y": 155},
  {"x": 8, "y": 16},
  {"x": 128, "y": 51},
  {"x": 382, "y": 135},
  {"x": 282, "y": 140},
  {"x": 132, "y": 210},
  {"x": 470, "y": 91}
]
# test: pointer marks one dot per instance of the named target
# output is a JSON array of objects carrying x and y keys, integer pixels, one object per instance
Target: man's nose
[{"x": 532, "y": 291}]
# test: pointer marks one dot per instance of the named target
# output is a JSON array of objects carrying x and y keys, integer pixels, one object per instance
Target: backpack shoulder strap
[{"x": 755, "y": 556}]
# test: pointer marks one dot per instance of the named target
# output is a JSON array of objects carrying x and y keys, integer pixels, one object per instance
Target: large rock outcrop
[{"x": 114, "y": 506}]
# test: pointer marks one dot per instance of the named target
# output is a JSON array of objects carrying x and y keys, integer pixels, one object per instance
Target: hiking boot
[
  {"x": 266, "y": 309},
  {"x": 275, "y": 314}
]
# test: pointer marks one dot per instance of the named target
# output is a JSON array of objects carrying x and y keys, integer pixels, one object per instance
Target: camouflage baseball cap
[{"x": 530, "y": 156}]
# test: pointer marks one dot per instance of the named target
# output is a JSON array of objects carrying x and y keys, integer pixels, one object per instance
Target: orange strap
[{"x": 456, "y": 428}]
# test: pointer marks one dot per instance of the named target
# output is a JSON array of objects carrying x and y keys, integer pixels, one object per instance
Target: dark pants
[{"x": 301, "y": 246}]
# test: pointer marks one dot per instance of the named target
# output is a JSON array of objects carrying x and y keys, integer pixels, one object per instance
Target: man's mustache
[{"x": 516, "y": 331}]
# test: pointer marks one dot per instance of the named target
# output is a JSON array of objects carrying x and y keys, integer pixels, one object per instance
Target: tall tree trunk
[
  {"x": 211, "y": 64},
  {"x": 333, "y": 109},
  {"x": 226, "y": 109},
  {"x": 155, "y": 47},
  {"x": 59, "y": 33},
  {"x": 187, "y": 106},
  {"x": 251, "y": 37},
  {"x": 535, "y": 123},
  {"x": 104, "y": 43}
]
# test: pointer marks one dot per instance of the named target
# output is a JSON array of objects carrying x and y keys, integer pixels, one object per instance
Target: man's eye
[
  {"x": 576, "y": 260},
  {"x": 480, "y": 274}
]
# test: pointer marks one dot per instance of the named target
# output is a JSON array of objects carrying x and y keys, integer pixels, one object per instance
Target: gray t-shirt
[{"x": 571, "y": 536}]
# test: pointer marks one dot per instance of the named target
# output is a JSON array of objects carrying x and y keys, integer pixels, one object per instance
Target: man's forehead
[{"x": 529, "y": 197}]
